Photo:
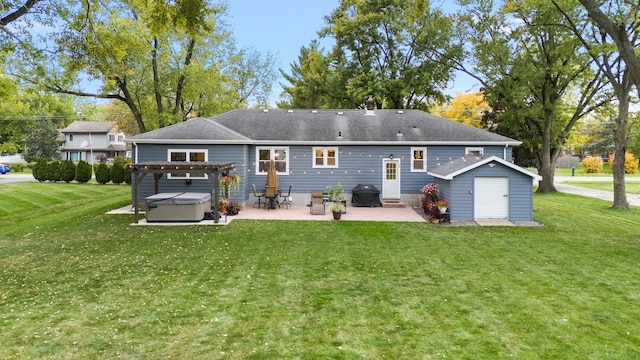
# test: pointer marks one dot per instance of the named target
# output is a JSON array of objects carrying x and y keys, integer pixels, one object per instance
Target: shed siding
[{"x": 520, "y": 192}]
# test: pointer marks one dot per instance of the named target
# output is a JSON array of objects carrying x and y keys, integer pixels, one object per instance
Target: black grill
[{"x": 365, "y": 195}]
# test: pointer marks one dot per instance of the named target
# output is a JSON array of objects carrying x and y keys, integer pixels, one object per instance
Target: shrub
[
  {"x": 67, "y": 171},
  {"x": 630, "y": 163},
  {"x": 83, "y": 171},
  {"x": 40, "y": 170},
  {"x": 127, "y": 174},
  {"x": 119, "y": 160},
  {"x": 103, "y": 174},
  {"x": 53, "y": 171},
  {"x": 592, "y": 164},
  {"x": 117, "y": 173},
  {"x": 17, "y": 167}
]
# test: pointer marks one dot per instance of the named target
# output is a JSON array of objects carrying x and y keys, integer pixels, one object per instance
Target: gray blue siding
[
  {"x": 460, "y": 192},
  {"x": 357, "y": 165}
]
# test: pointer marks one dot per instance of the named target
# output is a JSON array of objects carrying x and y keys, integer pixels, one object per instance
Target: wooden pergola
[{"x": 158, "y": 169}]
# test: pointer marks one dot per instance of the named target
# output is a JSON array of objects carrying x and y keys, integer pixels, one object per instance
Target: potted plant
[
  {"x": 337, "y": 208},
  {"x": 223, "y": 204},
  {"x": 234, "y": 208},
  {"x": 442, "y": 205},
  {"x": 339, "y": 205},
  {"x": 429, "y": 201}
]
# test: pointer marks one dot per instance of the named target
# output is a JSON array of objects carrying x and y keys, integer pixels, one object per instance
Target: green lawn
[
  {"x": 76, "y": 283},
  {"x": 630, "y": 187}
]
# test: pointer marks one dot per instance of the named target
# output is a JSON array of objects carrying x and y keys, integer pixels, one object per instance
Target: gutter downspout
[{"x": 504, "y": 155}]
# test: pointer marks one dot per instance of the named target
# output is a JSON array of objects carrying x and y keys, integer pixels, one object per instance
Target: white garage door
[{"x": 491, "y": 198}]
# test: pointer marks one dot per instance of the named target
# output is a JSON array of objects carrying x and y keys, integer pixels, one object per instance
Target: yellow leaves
[{"x": 466, "y": 108}]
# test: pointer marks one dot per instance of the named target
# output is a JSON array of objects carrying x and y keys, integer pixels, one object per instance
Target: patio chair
[
  {"x": 271, "y": 196},
  {"x": 258, "y": 195},
  {"x": 285, "y": 198},
  {"x": 317, "y": 203}
]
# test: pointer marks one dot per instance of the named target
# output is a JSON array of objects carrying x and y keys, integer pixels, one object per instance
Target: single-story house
[{"x": 398, "y": 151}]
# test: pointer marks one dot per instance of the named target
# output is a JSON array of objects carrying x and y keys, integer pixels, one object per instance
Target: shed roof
[
  {"x": 461, "y": 165},
  {"x": 285, "y": 126}
]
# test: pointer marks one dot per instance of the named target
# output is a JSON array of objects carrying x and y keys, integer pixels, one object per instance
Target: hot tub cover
[
  {"x": 365, "y": 195},
  {"x": 181, "y": 198}
]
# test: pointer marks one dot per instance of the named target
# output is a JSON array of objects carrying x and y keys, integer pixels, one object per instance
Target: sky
[{"x": 282, "y": 27}]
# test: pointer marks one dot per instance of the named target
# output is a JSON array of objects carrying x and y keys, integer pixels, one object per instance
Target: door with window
[{"x": 391, "y": 179}]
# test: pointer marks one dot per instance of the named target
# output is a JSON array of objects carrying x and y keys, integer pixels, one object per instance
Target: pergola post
[{"x": 178, "y": 167}]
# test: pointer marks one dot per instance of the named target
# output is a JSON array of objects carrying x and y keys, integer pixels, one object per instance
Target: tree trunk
[
  {"x": 621, "y": 133},
  {"x": 156, "y": 83},
  {"x": 181, "y": 80},
  {"x": 547, "y": 157},
  {"x": 128, "y": 99}
]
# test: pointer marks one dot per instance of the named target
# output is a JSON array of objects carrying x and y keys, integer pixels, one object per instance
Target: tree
[
  {"x": 182, "y": 61},
  {"x": 41, "y": 142},
  {"x": 536, "y": 76},
  {"x": 466, "y": 108},
  {"x": 315, "y": 83},
  {"x": 619, "y": 75},
  {"x": 395, "y": 50},
  {"x": 620, "y": 23}
]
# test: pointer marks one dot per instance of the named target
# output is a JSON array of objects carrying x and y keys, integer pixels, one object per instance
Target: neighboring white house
[{"x": 91, "y": 140}]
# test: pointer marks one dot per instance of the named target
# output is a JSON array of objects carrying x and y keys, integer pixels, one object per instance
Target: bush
[
  {"x": 127, "y": 173},
  {"x": 67, "y": 171},
  {"x": 40, "y": 170},
  {"x": 17, "y": 167},
  {"x": 103, "y": 174},
  {"x": 630, "y": 163},
  {"x": 592, "y": 164},
  {"x": 53, "y": 171},
  {"x": 83, "y": 171},
  {"x": 117, "y": 173}
]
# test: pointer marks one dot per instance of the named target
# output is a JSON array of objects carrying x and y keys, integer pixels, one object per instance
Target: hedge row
[{"x": 68, "y": 171}]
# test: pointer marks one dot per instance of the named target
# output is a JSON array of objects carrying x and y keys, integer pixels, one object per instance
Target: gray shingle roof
[
  {"x": 193, "y": 130},
  {"x": 449, "y": 169},
  {"x": 324, "y": 126},
  {"x": 86, "y": 127}
]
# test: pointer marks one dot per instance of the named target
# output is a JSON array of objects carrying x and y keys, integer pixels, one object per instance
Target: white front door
[
  {"x": 491, "y": 198},
  {"x": 391, "y": 179}
]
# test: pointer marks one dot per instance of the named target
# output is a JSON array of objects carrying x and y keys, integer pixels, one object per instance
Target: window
[
  {"x": 120, "y": 138},
  {"x": 478, "y": 151},
  {"x": 324, "y": 157},
  {"x": 70, "y": 137},
  {"x": 419, "y": 159},
  {"x": 279, "y": 155},
  {"x": 112, "y": 138},
  {"x": 188, "y": 155}
]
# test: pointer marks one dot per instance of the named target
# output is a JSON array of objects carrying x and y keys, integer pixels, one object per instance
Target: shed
[{"x": 481, "y": 187}]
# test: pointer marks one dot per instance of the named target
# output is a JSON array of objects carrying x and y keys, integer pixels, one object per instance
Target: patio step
[{"x": 390, "y": 203}]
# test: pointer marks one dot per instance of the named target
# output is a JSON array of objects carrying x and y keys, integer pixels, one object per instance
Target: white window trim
[
  {"x": 187, "y": 175},
  {"x": 474, "y": 149},
  {"x": 424, "y": 159},
  {"x": 272, "y": 150},
  {"x": 325, "y": 153}
]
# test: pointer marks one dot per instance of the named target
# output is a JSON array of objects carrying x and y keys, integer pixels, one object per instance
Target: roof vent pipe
[
  {"x": 370, "y": 106},
  {"x": 370, "y": 103}
]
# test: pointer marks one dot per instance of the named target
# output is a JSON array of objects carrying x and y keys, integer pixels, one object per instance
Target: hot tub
[{"x": 183, "y": 206}]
